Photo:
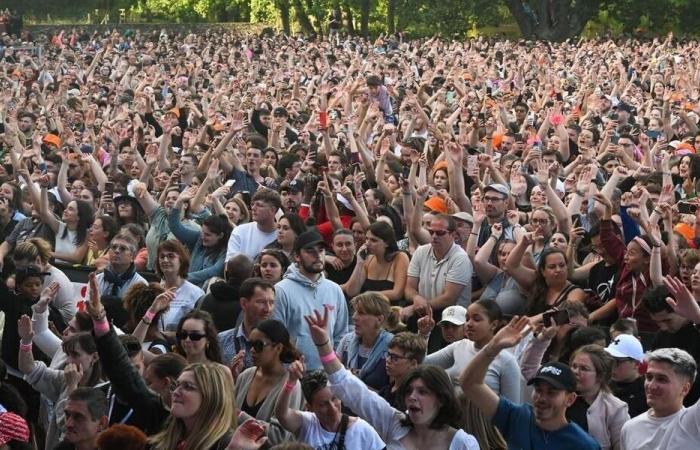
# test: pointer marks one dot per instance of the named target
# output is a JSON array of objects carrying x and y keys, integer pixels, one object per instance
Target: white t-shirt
[
  {"x": 678, "y": 431},
  {"x": 248, "y": 239},
  {"x": 65, "y": 244},
  {"x": 359, "y": 435},
  {"x": 185, "y": 299}
]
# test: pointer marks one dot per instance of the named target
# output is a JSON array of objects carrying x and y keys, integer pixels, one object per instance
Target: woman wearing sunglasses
[
  {"x": 259, "y": 387},
  {"x": 196, "y": 338}
]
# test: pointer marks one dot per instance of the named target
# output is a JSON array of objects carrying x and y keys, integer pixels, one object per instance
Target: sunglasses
[
  {"x": 119, "y": 248},
  {"x": 438, "y": 232},
  {"x": 259, "y": 345},
  {"x": 182, "y": 335}
]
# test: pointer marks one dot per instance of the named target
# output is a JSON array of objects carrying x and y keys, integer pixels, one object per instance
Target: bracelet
[
  {"x": 25, "y": 347},
  {"x": 492, "y": 236},
  {"x": 321, "y": 345},
  {"x": 579, "y": 193},
  {"x": 147, "y": 322},
  {"x": 101, "y": 327},
  {"x": 149, "y": 315},
  {"x": 325, "y": 359},
  {"x": 475, "y": 234},
  {"x": 289, "y": 387}
]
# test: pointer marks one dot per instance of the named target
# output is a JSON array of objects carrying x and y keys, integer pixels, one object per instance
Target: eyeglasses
[
  {"x": 491, "y": 199},
  {"x": 539, "y": 221},
  {"x": 194, "y": 337},
  {"x": 438, "y": 232},
  {"x": 185, "y": 385},
  {"x": 259, "y": 345},
  {"x": 168, "y": 256},
  {"x": 393, "y": 357},
  {"x": 118, "y": 248}
]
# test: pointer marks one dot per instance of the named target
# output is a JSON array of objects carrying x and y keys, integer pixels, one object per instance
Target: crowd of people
[{"x": 347, "y": 244}]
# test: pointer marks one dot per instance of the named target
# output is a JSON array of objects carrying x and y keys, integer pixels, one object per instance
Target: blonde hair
[
  {"x": 374, "y": 304},
  {"x": 216, "y": 415},
  {"x": 474, "y": 423}
]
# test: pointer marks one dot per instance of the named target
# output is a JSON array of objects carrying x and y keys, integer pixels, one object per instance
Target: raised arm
[
  {"x": 290, "y": 419},
  {"x": 46, "y": 215},
  {"x": 472, "y": 379},
  {"x": 523, "y": 275},
  {"x": 484, "y": 269}
]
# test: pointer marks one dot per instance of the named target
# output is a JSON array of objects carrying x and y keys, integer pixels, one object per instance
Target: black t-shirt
[
  {"x": 633, "y": 394},
  {"x": 578, "y": 413},
  {"x": 688, "y": 339},
  {"x": 340, "y": 276},
  {"x": 602, "y": 280}
]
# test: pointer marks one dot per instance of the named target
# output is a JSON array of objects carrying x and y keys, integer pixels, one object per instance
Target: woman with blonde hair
[
  {"x": 203, "y": 410},
  {"x": 475, "y": 423},
  {"x": 363, "y": 351}
]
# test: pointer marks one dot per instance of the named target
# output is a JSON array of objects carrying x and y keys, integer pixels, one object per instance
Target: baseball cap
[
  {"x": 498, "y": 187},
  {"x": 293, "y": 186},
  {"x": 307, "y": 239},
  {"x": 557, "y": 374},
  {"x": 436, "y": 204},
  {"x": 464, "y": 216},
  {"x": 454, "y": 314},
  {"x": 626, "y": 346}
]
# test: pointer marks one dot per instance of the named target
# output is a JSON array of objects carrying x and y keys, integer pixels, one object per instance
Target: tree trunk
[
  {"x": 391, "y": 16},
  {"x": 349, "y": 24},
  {"x": 303, "y": 18},
  {"x": 364, "y": 17},
  {"x": 283, "y": 6},
  {"x": 553, "y": 20}
]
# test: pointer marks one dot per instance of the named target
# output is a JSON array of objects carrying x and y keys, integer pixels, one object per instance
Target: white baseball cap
[
  {"x": 626, "y": 346},
  {"x": 455, "y": 314}
]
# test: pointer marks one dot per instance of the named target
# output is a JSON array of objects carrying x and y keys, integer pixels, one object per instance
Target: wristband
[
  {"x": 25, "y": 347},
  {"x": 289, "y": 387},
  {"x": 325, "y": 359},
  {"x": 101, "y": 327},
  {"x": 149, "y": 315},
  {"x": 321, "y": 345},
  {"x": 475, "y": 234}
]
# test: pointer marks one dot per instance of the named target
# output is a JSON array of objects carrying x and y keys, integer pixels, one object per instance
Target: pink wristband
[
  {"x": 101, "y": 328},
  {"x": 25, "y": 347},
  {"x": 149, "y": 315},
  {"x": 289, "y": 386},
  {"x": 328, "y": 358}
]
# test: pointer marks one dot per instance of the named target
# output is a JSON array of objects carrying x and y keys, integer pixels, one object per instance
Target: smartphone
[
  {"x": 687, "y": 208},
  {"x": 245, "y": 196},
  {"x": 363, "y": 253},
  {"x": 355, "y": 158},
  {"x": 489, "y": 91},
  {"x": 559, "y": 317},
  {"x": 86, "y": 148},
  {"x": 560, "y": 98},
  {"x": 229, "y": 184},
  {"x": 615, "y": 139},
  {"x": 405, "y": 171},
  {"x": 109, "y": 188},
  {"x": 654, "y": 135},
  {"x": 42, "y": 168},
  {"x": 323, "y": 120}
]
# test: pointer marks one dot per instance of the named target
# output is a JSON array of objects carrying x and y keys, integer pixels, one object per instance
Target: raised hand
[
  {"x": 317, "y": 325},
  {"x": 72, "y": 373},
  {"x": 94, "y": 305},
  {"x": 497, "y": 230},
  {"x": 682, "y": 300},
  {"x": 237, "y": 364},
  {"x": 162, "y": 301},
  {"x": 25, "y": 330},
  {"x": 296, "y": 370},
  {"x": 513, "y": 217},
  {"x": 426, "y": 323},
  {"x": 512, "y": 333},
  {"x": 248, "y": 436},
  {"x": 47, "y": 295}
]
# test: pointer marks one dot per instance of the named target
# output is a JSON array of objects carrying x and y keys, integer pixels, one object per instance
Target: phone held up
[{"x": 558, "y": 317}]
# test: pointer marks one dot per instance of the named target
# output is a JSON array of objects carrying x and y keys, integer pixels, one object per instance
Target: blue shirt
[{"x": 517, "y": 425}]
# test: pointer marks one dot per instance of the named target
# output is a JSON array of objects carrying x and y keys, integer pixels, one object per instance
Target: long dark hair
[
  {"x": 212, "y": 351},
  {"x": 537, "y": 300},
  {"x": 278, "y": 334},
  {"x": 85, "y": 218},
  {"x": 438, "y": 382},
  {"x": 385, "y": 232},
  {"x": 219, "y": 224}
]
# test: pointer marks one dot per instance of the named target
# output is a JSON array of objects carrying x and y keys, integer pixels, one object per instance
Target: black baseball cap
[
  {"x": 293, "y": 186},
  {"x": 307, "y": 239},
  {"x": 557, "y": 374}
]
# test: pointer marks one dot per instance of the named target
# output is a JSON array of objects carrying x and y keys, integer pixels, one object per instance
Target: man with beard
[
  {"x": 495, "y": 201},
  {"x": 304, "y": 290},
  {"x": 292, "y": 194},
  {"x": 540, "y": 425}
]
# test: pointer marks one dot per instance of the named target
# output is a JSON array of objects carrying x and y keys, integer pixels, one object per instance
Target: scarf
[
  {"x": 375, "y": 356},
  {"x": 118, "y": 281}
]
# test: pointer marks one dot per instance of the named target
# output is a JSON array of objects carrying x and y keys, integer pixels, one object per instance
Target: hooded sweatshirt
[{"x": 297, "y": 296}]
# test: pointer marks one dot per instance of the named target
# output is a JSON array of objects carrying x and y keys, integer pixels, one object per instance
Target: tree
[{"x": 553, "y": 20}]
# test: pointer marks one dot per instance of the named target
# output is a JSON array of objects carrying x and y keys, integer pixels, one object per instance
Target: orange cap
[
  {"x": 685, "y": 230},
  {"x": 52, "y": 139},
  {"x": 436, "y": 204},
  {"x": 175, "y": 111}
]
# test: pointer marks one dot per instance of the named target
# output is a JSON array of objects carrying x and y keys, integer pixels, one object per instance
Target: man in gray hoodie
[{"x": 305, "y": 289}]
